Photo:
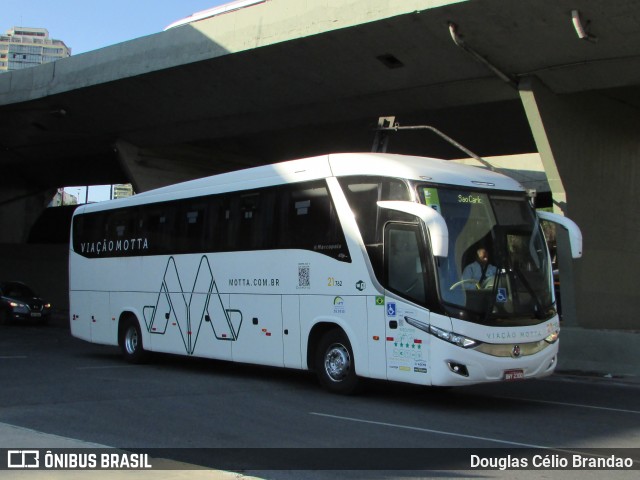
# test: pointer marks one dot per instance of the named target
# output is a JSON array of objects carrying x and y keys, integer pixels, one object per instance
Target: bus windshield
[{"x": 498, "y": 267}]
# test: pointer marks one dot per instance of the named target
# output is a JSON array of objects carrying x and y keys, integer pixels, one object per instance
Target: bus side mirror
[
  {"x": 434, "y": 222},
  {"x": 575, "y": 235}
]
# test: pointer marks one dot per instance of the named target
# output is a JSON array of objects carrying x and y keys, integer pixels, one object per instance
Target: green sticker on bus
[
  {"x": 431, "y": 198},
  {"x": 379, "y": 300}
]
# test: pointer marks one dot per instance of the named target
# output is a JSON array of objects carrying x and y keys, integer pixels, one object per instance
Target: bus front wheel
[
  {"x": 131, "y": 341},
  {"x": 334, "y": 364}
]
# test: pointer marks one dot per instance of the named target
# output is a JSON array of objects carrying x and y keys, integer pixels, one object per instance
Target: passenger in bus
[{"x": 480, "y": 270}]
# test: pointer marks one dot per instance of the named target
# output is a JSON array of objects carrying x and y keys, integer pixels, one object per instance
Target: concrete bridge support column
[
  {"x": 43, "y": 267},
  {"x": 593, "y": 164},
  {"x": 19, "y": 209}
]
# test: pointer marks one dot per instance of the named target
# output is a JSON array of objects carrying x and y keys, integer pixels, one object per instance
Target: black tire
[
  {"x": 131, "y": 341},
  {"x": 334, "y": 363}
]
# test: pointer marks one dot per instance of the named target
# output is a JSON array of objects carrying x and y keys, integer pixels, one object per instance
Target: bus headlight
[
  {"x": 451, "y": 337},
  {"x": 553, "y": 338}
]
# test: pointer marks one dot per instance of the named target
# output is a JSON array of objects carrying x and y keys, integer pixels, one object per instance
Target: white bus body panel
[
  {"x": 292, "y": 339},
  {"x": 407, "y": 348},
  {"x": 261, "y": 338}
]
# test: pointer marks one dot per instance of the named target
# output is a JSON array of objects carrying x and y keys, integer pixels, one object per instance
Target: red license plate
[{"x": 512, "y": 375}]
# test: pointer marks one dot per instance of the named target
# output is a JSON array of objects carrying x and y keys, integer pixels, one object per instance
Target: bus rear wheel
[
  {"x": 335, "y": 365},
  {"x": 131, "y": 341}
]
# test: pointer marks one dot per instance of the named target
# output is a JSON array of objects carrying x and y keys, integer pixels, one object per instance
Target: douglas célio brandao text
[{"x": 551, "y": 461}]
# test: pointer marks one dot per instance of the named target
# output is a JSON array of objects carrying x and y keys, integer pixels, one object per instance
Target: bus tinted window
[
  {"x": 290, "y": 216},
  {"x": 309, "y": 221},
  {"x": 363, "y": 193},
  {"x": 159, "y": 226},
  {"x": 190, "y": 228}
]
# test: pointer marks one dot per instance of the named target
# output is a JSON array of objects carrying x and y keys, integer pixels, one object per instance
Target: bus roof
[
  {"x": 339, "y": 164},
  {"x": 213, "y": 12}
]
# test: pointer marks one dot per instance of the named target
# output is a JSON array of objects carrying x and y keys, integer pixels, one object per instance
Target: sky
[{"x": 85, "y": 25}]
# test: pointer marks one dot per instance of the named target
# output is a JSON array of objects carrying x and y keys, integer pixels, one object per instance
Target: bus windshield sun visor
[{"x": 434, "y": 222}]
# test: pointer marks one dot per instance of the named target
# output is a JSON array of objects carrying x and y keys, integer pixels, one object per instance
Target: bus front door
[{"x": 406, "y": 322}]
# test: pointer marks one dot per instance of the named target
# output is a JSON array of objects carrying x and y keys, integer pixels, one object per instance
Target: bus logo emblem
[
  {"x": 516, "y": 351},
  {"x": 361, "y": 285},
  {"x": 23, "y": 458},
  {"x": 190, "y": 309},
  {"x": 338, "y": 306}
]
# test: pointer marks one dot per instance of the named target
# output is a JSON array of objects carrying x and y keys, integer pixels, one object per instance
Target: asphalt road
[{"x": 56, "y": 384}]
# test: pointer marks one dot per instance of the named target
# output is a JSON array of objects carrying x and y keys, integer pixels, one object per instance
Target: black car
[{"x": 19, "y": 302}]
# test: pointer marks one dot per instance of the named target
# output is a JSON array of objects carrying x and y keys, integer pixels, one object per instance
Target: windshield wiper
[
  {"x": 494, "y": 291},
  {"x": 538, "y": 307}
]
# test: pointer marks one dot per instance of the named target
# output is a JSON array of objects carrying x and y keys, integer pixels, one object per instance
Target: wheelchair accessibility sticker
[
  {"x": 501, "y": 296},
  {"x": 391, "y": 309}
]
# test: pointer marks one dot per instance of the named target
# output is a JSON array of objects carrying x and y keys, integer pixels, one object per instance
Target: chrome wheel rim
[
  {"x": 131, "y": 340},
  {"x": 337, "y": 362}
]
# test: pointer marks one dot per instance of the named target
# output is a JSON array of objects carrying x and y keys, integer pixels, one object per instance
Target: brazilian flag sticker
[{"x": 379, "y": 300}]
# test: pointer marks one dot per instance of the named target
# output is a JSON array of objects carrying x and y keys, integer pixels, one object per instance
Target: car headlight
[
  {"x": 18, "y": 307},
  {"x": 451, "y": 337}
]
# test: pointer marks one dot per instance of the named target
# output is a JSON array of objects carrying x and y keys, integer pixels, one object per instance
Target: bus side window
[
  {"x": 405, "y": 261},
  {"x": 193, "y": 224},
  {"x": 265, "y": 233},
  {"x": 121, "y": 224},
  {"x": 308, "y": 220},
  {"x": 363, "y": 193},
  {"x": 158, "y": 224},
  {"x": 223, "y": 239},
  {"x": 256, "y": 220},
  {"x": 304, "y": 219},
  {"x": 248, "y": 219}
]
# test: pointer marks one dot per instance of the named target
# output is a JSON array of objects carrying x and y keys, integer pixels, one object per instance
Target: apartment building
[{"x": 24, "y": 47}]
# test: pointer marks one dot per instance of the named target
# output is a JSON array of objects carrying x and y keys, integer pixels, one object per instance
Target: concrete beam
[
  {"x": 261, "y": 25},
  {"x": 147, "y": 169},
  {"x": 146, "y": 172}
]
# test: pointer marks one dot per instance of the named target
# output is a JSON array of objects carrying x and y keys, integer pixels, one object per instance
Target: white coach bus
[{"x": 351, "y": 265}]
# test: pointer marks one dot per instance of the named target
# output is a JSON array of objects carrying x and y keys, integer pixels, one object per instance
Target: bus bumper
[{"x": 456, "y": 366}]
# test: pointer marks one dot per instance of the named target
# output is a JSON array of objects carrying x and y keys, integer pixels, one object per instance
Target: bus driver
[{"x": 478, "y": 271}]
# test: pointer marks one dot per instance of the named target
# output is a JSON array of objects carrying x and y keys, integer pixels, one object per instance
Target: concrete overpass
[{"x": 284, "y": 79}]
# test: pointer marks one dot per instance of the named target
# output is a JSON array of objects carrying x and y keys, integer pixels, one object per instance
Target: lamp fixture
[{"x": 582, "y": 27}]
